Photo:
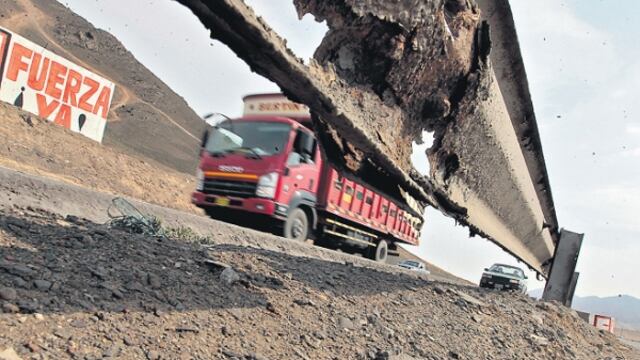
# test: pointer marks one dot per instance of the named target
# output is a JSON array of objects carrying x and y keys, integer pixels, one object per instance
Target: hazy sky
[{"x": 582, "y": 59}]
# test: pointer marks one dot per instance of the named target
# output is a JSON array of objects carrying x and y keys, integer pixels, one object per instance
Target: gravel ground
[
  {"x": 71, "y": 288},
  {"x": 74, "y": 288}
]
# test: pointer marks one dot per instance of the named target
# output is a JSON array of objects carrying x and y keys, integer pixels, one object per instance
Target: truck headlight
[
  {"x": 514, "y": 281},
  {"x": 199, "y": 180},
  {"x": 267, "y": 185}
]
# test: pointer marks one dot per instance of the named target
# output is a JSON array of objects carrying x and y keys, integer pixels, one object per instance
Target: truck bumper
[{"x": 254, "y": 205}]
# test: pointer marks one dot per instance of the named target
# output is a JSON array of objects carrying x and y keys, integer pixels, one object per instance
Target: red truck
[{"x": 266, "y": 167}]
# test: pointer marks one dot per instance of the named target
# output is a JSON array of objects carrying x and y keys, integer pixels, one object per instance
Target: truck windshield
[{"x": 251, "y": 137}]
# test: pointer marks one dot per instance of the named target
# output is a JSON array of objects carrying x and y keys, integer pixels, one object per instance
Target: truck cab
[{"x": 261, "y": 165}]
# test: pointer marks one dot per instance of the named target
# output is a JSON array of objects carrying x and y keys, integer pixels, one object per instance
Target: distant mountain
[{"x": 624, "y": 308}]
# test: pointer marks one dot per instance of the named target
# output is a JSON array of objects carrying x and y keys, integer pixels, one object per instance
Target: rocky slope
[
  {"x": 147, "y": 118},
  {"x": 71, "y": 288}
]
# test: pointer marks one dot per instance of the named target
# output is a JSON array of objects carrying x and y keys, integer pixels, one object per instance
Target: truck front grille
[{"x": 241, "y": 189}]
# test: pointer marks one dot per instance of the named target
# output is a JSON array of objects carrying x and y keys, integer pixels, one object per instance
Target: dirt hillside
[
  {"x": 31, "y": 144},
  {"x": 147, "y": 118}
]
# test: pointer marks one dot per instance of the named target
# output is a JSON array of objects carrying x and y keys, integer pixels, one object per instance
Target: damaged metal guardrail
[{"x": 387, "y": 71}]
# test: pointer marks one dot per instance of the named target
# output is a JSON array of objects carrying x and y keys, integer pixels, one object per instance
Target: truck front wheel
[
  {"x": 297, "y": 225},
  {"x": 379, "y": 253}
]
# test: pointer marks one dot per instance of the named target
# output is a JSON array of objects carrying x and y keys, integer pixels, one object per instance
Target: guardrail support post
[{"x": 562, "y": 280}]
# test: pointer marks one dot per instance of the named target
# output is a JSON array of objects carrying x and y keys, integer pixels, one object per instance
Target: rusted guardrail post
[{"x": 562, "y": 280}]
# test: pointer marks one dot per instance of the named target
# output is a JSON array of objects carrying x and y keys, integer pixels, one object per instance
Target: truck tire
[
  {"x": 380, "y": 252},
  {"x": 297, "y": 225}
]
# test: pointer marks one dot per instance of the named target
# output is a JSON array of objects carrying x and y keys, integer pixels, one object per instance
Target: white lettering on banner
[{"x": 43, "y": 83}]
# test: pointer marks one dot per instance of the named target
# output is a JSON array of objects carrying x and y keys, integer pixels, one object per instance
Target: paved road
[{"x": 24, "y": 190}]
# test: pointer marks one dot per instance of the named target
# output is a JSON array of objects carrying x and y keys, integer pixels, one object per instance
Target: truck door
[{"x": 302, "y": 168}]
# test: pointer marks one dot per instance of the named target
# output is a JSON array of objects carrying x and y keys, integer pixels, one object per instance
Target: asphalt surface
[{"x": 26, "y": 190}]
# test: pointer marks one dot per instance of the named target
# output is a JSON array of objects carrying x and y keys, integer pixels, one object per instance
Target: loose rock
[
  {"x": 7, "y": 293},
  {"x": 154, "y": 281},
  {"x": 9, "y": 354},
  {"x": 10, "y": 308},
  {"x": 229, "y": 276},
  {"x": 345, "y": 323},
  {"x": 304, "y": 302},
  {"x": 42, "y": 285},
  {"x": 470, "y": 299},
  {"x": 538, "y": 340}
]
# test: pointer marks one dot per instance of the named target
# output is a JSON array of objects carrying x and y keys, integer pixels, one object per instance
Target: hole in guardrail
[{"x": 419, "y": 153}]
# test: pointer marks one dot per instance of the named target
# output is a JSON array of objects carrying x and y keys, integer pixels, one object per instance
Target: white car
[
  {"x": 413, "y": 265},
  {"x": 504, "y": 277}
]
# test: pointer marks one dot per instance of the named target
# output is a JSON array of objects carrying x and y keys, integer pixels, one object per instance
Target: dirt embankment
[
  {"x": 33, "y": 145},
  {"x": 147, "y": 118},
  {"x": 74, "y": 289}
]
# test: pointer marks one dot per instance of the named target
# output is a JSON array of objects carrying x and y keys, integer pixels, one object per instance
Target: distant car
[
  {"x": 413, "y": 265},
  {"x": 504, "y": 277}
]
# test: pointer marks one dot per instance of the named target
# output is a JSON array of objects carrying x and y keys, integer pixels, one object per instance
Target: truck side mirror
[
  {"x": 205, "y": 138},
  {"x": 486, "y": 269}
]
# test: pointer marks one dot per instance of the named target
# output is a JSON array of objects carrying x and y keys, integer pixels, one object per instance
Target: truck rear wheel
[
  {"x": 297, "y": 225},
  {"x": 380, "y": 252}
]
